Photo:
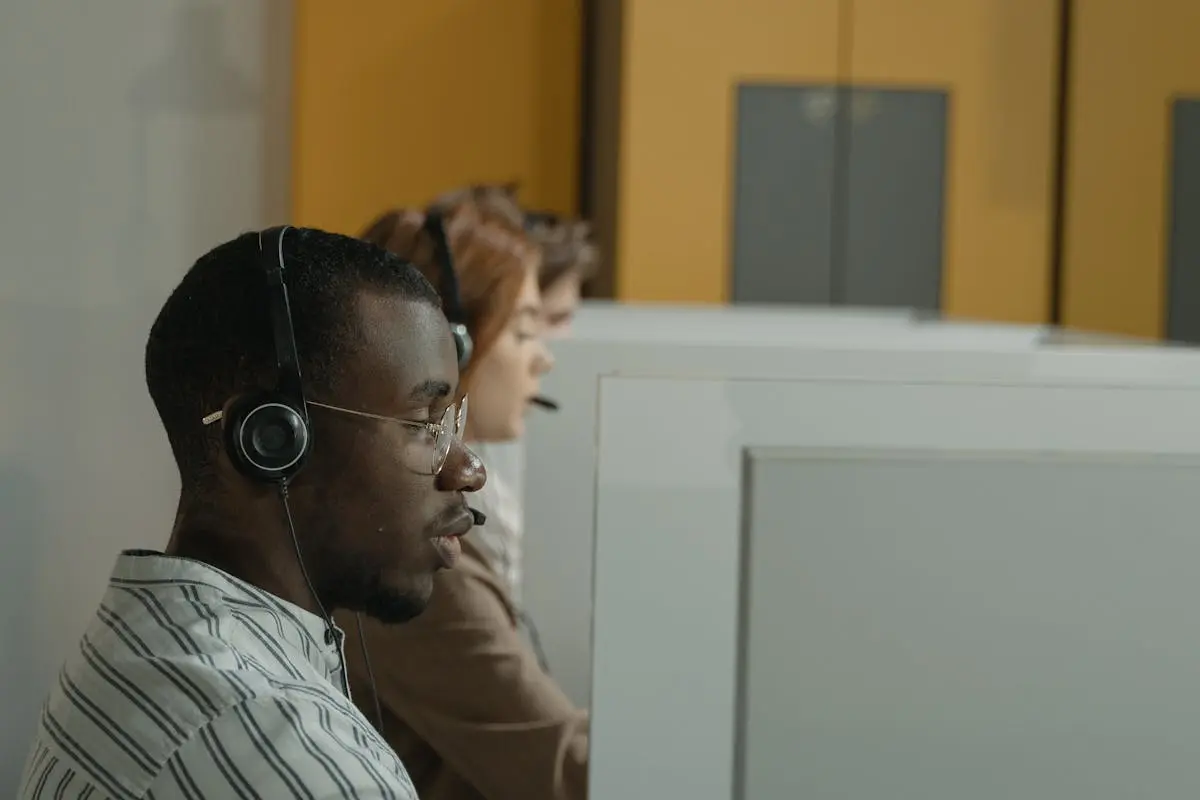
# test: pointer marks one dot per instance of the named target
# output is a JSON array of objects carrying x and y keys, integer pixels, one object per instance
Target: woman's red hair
[{"x": 491, "y": 255}]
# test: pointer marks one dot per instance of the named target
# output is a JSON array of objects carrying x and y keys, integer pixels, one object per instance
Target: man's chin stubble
[
  {"x": 368, "y": 591},
  {"x": 393, "y": 605},
  {"x": 394, "y": 608}
]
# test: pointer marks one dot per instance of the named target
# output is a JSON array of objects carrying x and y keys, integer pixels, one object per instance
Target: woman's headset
[
  {"x": 267, "y": 433},
  {"x": 443, "y": 259},
  {"x": 435, "y": 226}
]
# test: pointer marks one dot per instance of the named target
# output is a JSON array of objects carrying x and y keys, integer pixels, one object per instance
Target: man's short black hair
[{"x": 212, "y": 339}]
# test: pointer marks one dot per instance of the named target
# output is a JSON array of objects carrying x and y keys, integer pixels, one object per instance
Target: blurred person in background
[
  {"x": 569, "y": 253},
  {"x": 461, "y": 693},
  {"x": 569, "y": 258}
]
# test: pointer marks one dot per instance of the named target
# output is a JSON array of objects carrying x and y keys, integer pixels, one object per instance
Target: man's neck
[{"x": 258, "y": 551}]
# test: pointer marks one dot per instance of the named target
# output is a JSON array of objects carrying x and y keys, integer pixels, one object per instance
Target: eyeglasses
[{"x": 426, "y": 451}]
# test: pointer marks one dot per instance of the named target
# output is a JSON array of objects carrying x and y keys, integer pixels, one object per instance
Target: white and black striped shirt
[{"x": 192, "y": 684}]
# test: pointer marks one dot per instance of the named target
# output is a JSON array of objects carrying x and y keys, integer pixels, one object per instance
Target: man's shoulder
[
  {"x": 284, "y": 740},
  {"x": 179, "y": 657},
  {"x": 158, "y": 668},
  {"x": 290, "y": 743}
]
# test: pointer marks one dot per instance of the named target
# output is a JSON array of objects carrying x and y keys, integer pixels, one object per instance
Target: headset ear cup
[
  {"x": 266, "y": 436},
  {"x": 463, "y": 346},
  {"x": 231, "y": 423}
]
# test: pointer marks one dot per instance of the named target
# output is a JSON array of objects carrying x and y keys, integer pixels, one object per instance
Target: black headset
[
  {"x": 443, "y": 259},
  {"x": 267, "y": 433}
]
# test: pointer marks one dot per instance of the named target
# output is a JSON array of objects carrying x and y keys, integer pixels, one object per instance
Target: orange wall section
[
  {"x": 679, "y": 72},
  {"x": 398, "y": 100},
  {"x": 998, "y": 59},
  {"x": 1130, "y": 60}
]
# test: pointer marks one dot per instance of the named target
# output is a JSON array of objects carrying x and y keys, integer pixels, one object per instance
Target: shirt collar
[{"x": 319, "y": 642}]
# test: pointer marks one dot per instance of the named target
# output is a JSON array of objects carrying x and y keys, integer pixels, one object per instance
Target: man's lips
[
  {"x": 446, "y": 542},
  {"x": 460, "y": 525},
  {"x": 449, "y": 550}
]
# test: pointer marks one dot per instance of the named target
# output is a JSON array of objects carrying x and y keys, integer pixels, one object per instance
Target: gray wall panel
[
  {"x": 1183, "y": 243},
  {"x": 896, "y": 174},
  {"x": 839, "y": 202},
  {"x": 783, "y": 188}
]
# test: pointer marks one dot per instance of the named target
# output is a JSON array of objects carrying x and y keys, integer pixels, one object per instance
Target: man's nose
[{"x": 462, "y": 472}]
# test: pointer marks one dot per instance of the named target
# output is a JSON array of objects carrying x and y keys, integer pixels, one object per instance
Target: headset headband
[
  {"x": 443, "y": 258},
  {"x": 289, "y": 384}
]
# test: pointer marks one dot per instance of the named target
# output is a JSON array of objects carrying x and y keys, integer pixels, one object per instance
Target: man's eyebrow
[{"x": 430, "y": 390}]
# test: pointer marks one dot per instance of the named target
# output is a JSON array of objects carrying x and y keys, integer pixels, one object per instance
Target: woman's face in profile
[
  {"x": 559, "y": 301},
  {"x": 508, "y": 375}
]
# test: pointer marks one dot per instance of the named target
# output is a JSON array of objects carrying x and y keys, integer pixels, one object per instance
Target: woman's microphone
[{"x": 545, "y": 403}]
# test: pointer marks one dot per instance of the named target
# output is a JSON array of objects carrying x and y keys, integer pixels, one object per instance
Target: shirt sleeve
[
  {"x": 279, "y": 747},
  {"x": 461, "y": 676}
]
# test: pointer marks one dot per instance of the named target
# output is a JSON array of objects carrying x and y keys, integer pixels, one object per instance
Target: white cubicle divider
[
  {"x": 559, "y": 453},
  {"x": 912, "y": 574},
  {"x": 605, "y": 320}
]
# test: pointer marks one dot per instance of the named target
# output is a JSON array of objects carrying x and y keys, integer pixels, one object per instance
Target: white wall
[{"x": 136, "y": 135}]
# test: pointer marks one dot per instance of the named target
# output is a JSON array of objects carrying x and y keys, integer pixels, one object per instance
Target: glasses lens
[{"x": 450, "y": 427}]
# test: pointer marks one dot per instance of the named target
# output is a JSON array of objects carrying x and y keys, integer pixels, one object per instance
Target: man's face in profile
[{"x": 380, "y": 523}]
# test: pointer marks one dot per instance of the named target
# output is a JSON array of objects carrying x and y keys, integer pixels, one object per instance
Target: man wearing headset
[{"x": 308, "y": 386}]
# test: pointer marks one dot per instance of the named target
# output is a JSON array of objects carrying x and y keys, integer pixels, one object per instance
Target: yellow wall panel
[
  {"x": 998, "y": 61},
  {"x": 1129, "y": 60},
  {"x": 681, "y": 64},
  {"x": 398, "y": 100}
]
